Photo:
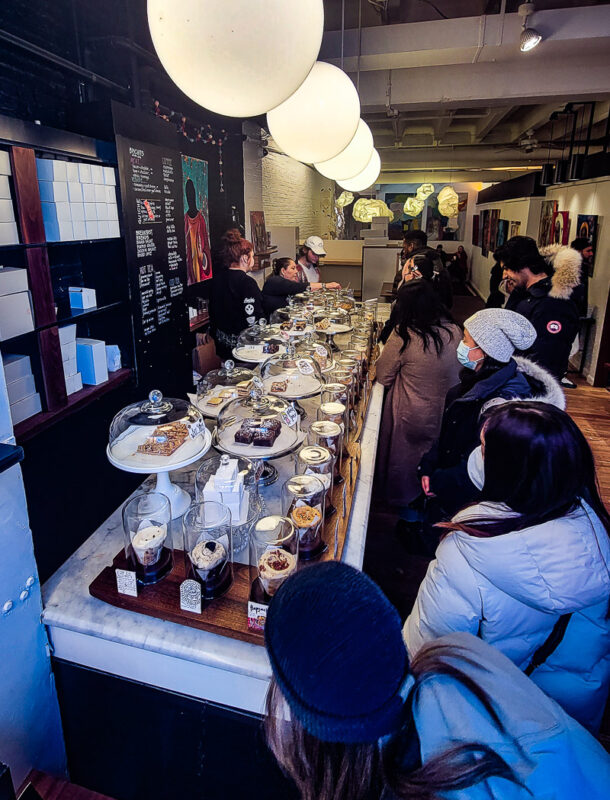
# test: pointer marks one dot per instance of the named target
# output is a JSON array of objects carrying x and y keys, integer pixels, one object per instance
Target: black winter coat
[{"x": 276, "y": 290}]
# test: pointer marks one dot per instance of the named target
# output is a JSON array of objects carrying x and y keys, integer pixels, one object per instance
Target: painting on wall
[
  {"x": 258, "y": 231},
  {"x": 494, "y": 218},
  {"x": 401, "y": 222},
  {"x": 560, "y": 230},
  {"x": 196, "y": 219},
  {"x": 475, "y": 231},
  {"x": 547, "y": 211},
  {"x": 587, "y": 228},
  {"x": 441, "y": 228},
  {"x": 515, "y": 227},
  {"x": 484, "y": 226},
  {"x": 502, "y": 235}
]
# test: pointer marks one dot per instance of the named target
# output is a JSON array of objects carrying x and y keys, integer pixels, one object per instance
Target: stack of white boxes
[
  {"x": 67, "y": 341},
  {"x": 22, "y": 395},
  {"x": 78, "y": 200},
  {"x": 8, "y": 226},
  {"x": 91, "y": 360},
  {"x": 15, "y": 304}
]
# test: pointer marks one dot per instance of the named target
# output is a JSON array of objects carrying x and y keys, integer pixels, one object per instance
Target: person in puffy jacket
[
  {"x": 533, "y": 550},
  {"x": 491, "y": 375},
  {"x": 350, "y": 717}
]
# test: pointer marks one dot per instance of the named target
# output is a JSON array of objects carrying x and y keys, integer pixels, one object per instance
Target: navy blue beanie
[{"x": 336, "y": 650}]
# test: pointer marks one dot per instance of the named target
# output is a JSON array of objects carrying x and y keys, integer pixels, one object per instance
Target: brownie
[
  {"x": 264, "y": 436},
  {"x": 300, "y": 325},
  {"x": 286, "y": 326},
  {"x": 270, "y": 347},
  {"x": 244, "y": 435}
]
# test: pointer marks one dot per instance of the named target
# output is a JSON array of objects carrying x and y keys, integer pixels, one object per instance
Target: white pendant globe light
[
  {"x": 320, "y": 119},
  {"x": 366, "y": 178},
  {"x": 353, "y": 159},
  {"x": 234, "y": 56}
]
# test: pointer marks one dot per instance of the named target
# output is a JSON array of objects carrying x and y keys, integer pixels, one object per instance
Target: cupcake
[
  {"x": 274, "y": 566},
  {"x": 147, "y": 543}
]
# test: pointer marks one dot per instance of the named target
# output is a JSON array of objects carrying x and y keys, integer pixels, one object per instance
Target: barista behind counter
[
  {"x": 235, "y": 299},
  {"x": 309, "y": 265},
  {"x": 284, "y": 282}
]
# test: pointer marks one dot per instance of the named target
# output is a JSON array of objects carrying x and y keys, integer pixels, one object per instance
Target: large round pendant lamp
[
  {"x": 353, "y": 159},
  {"x": 366, "y": 178},
  {"x": 320, "y": 119},
  {"x": 234, "y": 56}
]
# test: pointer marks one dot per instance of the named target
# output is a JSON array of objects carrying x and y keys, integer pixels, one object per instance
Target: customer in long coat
[{"x": 418, "y": 365}]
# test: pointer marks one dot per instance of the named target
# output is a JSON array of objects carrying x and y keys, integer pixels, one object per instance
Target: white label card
[
  {"x": 290, "y": 416},
  {"x": 190, "y": 596},
  {"x": 305, "y": 367},
  {"x": 196, "y": 428},
  {"x": 126, "y": 582},
  {"x": 257, "y": 614}
]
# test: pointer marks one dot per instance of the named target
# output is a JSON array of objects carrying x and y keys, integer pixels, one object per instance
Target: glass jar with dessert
[
  {"x": 329, "y": 435},
  {"x": 208, "y": 547},
  {"x": 331, "y": 322},
  {"x": 234, "y": 483},
  {"x": 148, "y": 538},
  {"x": 274, "y": 556},
  {"x": 346, "y": 377},
  {"x": 303, "y": 502},
  {"x": 158, "y": 435},
  {"x": 315, "y": 459}
]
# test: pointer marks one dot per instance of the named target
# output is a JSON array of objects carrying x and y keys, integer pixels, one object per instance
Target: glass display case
[
  {"x": 158, "y": 435},
  {"x": 256, "y": 343},
  {"x": 148, "y": 538},
  {"x": 219, "y": 386},
  {"x": 330, "y": 323},
  {"x": 292, "y": 377},
  {"x": 208, "y": 547},
  {"x": 320, "y": 351}
]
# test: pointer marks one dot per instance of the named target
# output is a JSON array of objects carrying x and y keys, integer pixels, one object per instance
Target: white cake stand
[{"x": 178, "y": 498}]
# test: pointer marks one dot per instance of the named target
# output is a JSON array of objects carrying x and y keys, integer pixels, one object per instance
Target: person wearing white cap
[
  {"x": 309, "y": 262},
  {"x": 492, "y": 374}
]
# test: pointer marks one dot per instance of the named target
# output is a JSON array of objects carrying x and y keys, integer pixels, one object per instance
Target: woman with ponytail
[
  {"x": 283, "y": 282},
  {"x": 350, "y": 718},
  {"x": 235, "y": 301}
]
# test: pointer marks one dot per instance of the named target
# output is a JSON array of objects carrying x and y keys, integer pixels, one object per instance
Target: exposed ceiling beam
[
  {"x": 445, "y": 175},
  {"x": 441, "y": 126},
  {"x": 490, "y": 121},
  {"x": 534, "y": 119}
]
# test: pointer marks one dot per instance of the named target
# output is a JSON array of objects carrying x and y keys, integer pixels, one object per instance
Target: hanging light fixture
[
  {"x": 414, "y": 206},
  {"x": 530, "y": 37},
  {"x": 366, "y": 178},
  {"x": 344, "y": 199},
  {"x": 424, "y": 191},
  {"x": 353, "y": 159},
  {"x": 448, "y": 201},
  {"x": 225, "y": 55},
  {"x": 329, "y": 101},
  {"x": 365, "y": 210}
]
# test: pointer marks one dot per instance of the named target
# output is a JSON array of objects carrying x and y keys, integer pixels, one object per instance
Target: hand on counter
[{"x": 425, "y": 485}]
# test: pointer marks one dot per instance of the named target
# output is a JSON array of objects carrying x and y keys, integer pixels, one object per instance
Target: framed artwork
[
  {"x": 587, "y": 227},
  {"x": 515, "y": 227},
  {"x": 401, "y": 222},
  {"x": 502, "y": 235},
  {"x": 196, "y": 219},
  {"x": 547, "y": 210},
  {"x": 494, "y": 218},
  {"x": 484, "y": 226},
  {"x": 475, "y": 231},
  {"x": 560, "y": 230},
  {"x": 259, "y": 232}
]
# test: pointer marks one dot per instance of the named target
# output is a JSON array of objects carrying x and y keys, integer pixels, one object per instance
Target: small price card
[
  {"x": 257, "y": 615},
  {"x": 190, "y": 596},
  {"x": 126, "y": 582}
]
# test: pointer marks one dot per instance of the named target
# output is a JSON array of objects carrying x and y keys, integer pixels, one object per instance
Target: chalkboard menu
[{"x": 153, "y": 219}]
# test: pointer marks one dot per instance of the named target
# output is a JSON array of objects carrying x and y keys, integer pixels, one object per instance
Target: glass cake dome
[
  {"x": 155, "y": 434},
  {"x": 292, "y": 376},
  {"x": 257, "y": 342},
  {"x": 320, "y": 351},
  {"x": 219, "y": 386}
]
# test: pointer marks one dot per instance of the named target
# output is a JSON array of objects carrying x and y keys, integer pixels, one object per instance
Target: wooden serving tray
[{"x": 228, "y": 615}]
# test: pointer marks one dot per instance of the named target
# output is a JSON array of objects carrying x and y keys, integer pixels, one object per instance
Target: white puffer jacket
[{"x": 511, "y": 589}]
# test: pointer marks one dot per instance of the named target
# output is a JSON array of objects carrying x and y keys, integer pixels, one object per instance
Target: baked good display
[
  {"x": 305, "y": 517},
  {"x": 243, "y": 387},
  {"x": 286, "y": 326},
  {"x": 270, "y": 347},
  {"x": 322, "y": 324},
  {"x": 211, "y": 566},
  {"x": 300, "y": 325},
  {"x": 279, "y": 386},
  {"x": 147, "y": 543},
  {"x": 165, "y": 439},
  {"x": 274, "y": 566},
  {"x": 215, "y": 401},
  {"x": 261, "y": 433}
]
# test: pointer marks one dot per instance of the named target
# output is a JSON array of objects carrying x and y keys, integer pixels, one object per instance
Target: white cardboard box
[
  {"x": 103, "y": 228},
  {"x": 5, "y": 163},
  {"x": 50, "y": 169},
  {"x": 69, "y": 365},
  {"x": 12, "y": 280},
  {"x": 92, "y": 229},
  {"x": 80, "y": 297},
  {"x": 110, "y": 194},
  {"x": 59, "y": 231},
  {"x": 68, "y": 352},
  {"x": 101, "y": 210},
  {"x": 84, "y": 173},
  {"x": 16, "y": 315},
  {"x": 16, "y": 366},
  {"x": 75, "y": 191},
  {"x": 7, "y": 213},
  {"x": 25, "y": 408},
  {"x": 67, "y": 334},
  {"x": 72, "y": 172},
  {"x": 79, "y": 228},
  {"x": 113, "y": 229},
  {"x": 113, "y": 211},
  {"x": 90, "y": 212},
  {"x": 97, "y": 173},
  {"x": 20, "y": 389},
  {"x": 88, "y": 192},
  {"x": 109, "y": 176},
  {"x": 74, "y": 383},
  {"x": 113, "y": 357},
  {"x": 5, "y": 188},
  {"x": 56, "y": 212},
  {"x": 53, "y": 191},
  {"x": 8, "y": 232},
  {"x": 77, "y": 210},
  {"x": 100, "y": 193},
  {"x": 91, "y": 360}
]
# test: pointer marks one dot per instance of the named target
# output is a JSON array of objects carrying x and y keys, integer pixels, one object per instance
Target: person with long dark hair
[
  {"x": 418, "y": 365},
  {"x": 235, "y": 299},
  {"x": 283, "y": 282},
  {"x": 349, "y": 717},
  {"x": 531, "y": 560},
  {"x": 491, "y": 374}
]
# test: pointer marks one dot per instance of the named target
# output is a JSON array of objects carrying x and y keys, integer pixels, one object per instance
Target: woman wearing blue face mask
[{"x": 491, "y": 374}]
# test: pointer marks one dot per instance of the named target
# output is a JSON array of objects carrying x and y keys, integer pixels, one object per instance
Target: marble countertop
[{"x": 69, "y": 606}]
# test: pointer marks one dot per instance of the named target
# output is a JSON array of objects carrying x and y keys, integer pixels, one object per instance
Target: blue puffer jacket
[
  {"x": 511, "y": 589},
  {"x": 553, "y": 756}
]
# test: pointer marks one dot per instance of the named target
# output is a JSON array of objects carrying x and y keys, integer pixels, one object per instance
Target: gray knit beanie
[{"x": 499, "y": 332}]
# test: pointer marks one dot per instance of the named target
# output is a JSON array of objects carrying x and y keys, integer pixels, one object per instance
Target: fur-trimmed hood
[
  {"x": 567, "y": 263},
  {"x": 550, "y": 391}
]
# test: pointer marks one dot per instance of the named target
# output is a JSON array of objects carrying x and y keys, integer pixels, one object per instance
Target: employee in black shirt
[
  {"x": 235, "y": 299},
  {"x": 284, "y": 282}
]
